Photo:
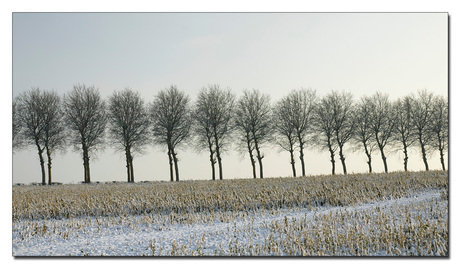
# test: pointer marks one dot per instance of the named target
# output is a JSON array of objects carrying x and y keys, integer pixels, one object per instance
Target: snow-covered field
[{"x": 415, "y": 225}]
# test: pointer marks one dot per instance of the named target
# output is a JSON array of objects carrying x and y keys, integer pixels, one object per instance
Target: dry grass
[
  {"x": 121, "y": 199},
  {"x": 411, "y": 230},
  {"x": 419, "y": 229}
]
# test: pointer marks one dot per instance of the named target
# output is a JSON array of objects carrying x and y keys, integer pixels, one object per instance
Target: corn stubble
[{"x": 419, "y": 229}]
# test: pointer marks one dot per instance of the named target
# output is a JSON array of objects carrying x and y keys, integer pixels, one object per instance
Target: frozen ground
[{"x": 132, "y": 236}]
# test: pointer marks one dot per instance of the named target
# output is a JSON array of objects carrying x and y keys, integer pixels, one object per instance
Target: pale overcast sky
[{"x": 395, "y": 53}]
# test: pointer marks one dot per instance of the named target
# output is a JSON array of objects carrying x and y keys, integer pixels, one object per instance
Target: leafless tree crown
[
  {"x": 334, "y": 123},
  {"x": 253, "y": 122},
  {"x": 422, "y": 116},
  {"x": 38, "y": 120},
  {"x": 31, "y": 121},
  {"x": 343, "y": 120},
  {"x": 363, "y": 135},
  {"x": 403, "y": 127},
  {"x": 382, "y": 123},
  {"x": 323, "y": 124},
  {"x": 303, "y": 102},
  {"x": 129, "y": 125},
  {"x": 439, "y": 127},
  {"x": 171, "y": 122},
  {"x": 213, "y": 113},
  {"x": 87, "y": 118},
  {"x": 284, "y": 131}
]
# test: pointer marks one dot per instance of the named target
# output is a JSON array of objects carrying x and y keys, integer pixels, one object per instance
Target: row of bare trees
[{"x": 334, "y": 123}]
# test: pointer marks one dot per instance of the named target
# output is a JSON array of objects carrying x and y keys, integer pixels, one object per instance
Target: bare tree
[
  {"x": 343, "y": 124},
  {"x": 245, "y": 140},
  {"x": 303, "y": 103},
  {"x": 30, "y": 118},
  {"x": 171, "y": 122},
  {"x": 38, "y": 120},
  {"x": 252, "y": 120},
  {"x": 284, "y": 130},
  {"x": 323, "y": 124},
  {"x": 202, "y": 130},
  {"x": 87, "y": 118},
  {"x": 382, "y": 122},
  {"x": 422, "y": 116},
  {"x": 440, "y": 126},
  {"x": 129, "y": 125},
  {"x": 212, "y": 114},
  {"x": 404, "y": 129},
  {"x": 364, "y": 134},
  {"x": 54, "y": 133}
]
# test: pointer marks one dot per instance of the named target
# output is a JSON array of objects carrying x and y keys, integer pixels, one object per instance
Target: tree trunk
[
  {"x": 332, "y": 154},
  {"x": 384, "y": 159},
  {"x": 85, "y": 162},
  {"x": 342, "y": 159},
  {"x": 86, "y": 165},
  {"x": 213, "y": 167},
  {"x": 87, "y": 169},
  {"x": 442, "y": 159},
  {"x": 175, "y": 164},
  {"x": 48, "y": 153},
  {"x": 382, "y": 153},
  {"x": 441, "y": 153},
  {"x": 131, "y": 167},
  {"x": 291, "y": 151},
  {"x": 171, "y": 175},
  {"x": 128, "y": 165},
  {"x": 406, "y": 157},
  {"x": 85, "y": 173},
  {"x": 42, "y": 162},
  {"x": 211, "y": 159},
  {"x": 261, "y": 168},
  {"x": 301, "y": 156},
  {"x": 251, "y": 157},
  {"x": 369, "y": 159},
  {"x": 219, "y": 163},
  {"x": 253, "y": 163},
  {"x": 425, "y": 161},
  {"x": 219, "y": 158},
  {"x": 333, "y": 162},
  {"x": 42, "y": 165},
  {"x": 88, "y": 175},
  {"x": 259, "y": 158}
]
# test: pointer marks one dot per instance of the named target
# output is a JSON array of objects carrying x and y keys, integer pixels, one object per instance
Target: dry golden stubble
[{"x": 239, "y": 196}]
